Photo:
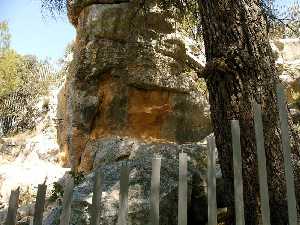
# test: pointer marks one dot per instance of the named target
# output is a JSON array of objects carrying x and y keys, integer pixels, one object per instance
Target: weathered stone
[
  {"x": 112, "y": 153},
  {"x": 128, "y": 78},
  {"x": 130, "y": 94},
  {"x": 288, "y": 63},
  {"x": 76, "y": 6}
]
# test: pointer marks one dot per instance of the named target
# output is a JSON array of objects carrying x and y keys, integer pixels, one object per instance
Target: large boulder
[
  {"x": 130, "y": 78},
  {"x": 132, "y": 92},
  {"x": 138, "y": 156}
]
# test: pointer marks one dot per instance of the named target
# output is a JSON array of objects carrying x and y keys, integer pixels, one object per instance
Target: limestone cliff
[
  {"x": 129, "y": 78},
  {"x": 287, "y": 51}
]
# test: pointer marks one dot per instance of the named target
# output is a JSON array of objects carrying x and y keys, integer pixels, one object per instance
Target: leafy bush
[
  {"x": 23, "y": 80},
  {"x": 57, "y": 192},
  {"x": 4, "y": 36},
  {"x": 78, "y": 177}
]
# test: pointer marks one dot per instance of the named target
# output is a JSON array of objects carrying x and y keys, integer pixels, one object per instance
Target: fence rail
[{"x": 182, "y": 186}]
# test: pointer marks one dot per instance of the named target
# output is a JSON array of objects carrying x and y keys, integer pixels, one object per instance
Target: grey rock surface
[
  {"x": 129, "y": 77},
  {"x": 114, "y": 155}
]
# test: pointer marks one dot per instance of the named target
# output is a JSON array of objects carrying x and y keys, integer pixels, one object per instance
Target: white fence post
[
  {"x": 286, "y": 148},
  {"x": 13, "y": 207},
  {"x": 262, "y": 168},
  {"x": 238, "y": 178},
  {"x": 96, "y": 200},
  {"x": 39, "y": 204},
  {"x": 211, "y": 192},
  {"x": 182, "y": 190},
  {"x": 67, "y": 201},
  {"x": 124, "y": 185},
  {"x": 155, "y": 190}
]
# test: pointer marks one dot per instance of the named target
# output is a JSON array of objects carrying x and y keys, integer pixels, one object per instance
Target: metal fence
[{"x": 183, "y": 185}]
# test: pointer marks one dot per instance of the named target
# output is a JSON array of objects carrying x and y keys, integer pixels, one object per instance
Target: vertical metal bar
[
  {"x": 211, "y": 170},
  {"x": 238, "y": 178},
  {"x": 67, "y": 201},
  {"x": 155, "y": 189},
  {"x": 96, "y": 201},
  {"x": 124, "y": 185},
  {"x": 39, "y": 204},
  {"x": 262, "y": 168},
  {"x": 286, "y": 148},
  {"x": 182, "y": 190},
  {"x": 13, "y": 207}
]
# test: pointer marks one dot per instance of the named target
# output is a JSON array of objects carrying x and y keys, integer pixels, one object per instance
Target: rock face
[
  {"x": 139, "y": 156},
  {"x": 289, "y": 65},
  {"x": 129, "y": 78},
  {"x": 130, "y": 94}
]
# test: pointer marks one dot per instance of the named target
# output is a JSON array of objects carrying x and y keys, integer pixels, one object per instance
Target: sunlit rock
[{"x": 130, "y": 77}]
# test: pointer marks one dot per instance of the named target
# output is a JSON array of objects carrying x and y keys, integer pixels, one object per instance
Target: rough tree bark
[{"x": 241, "y": 66}]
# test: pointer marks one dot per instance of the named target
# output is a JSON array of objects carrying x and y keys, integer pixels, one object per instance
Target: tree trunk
[{"x": 241, "y": 66}]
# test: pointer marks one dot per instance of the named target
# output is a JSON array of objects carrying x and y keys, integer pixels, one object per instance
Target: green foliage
[
  {"x": 23, "y": 80},
  {"x": 284, "y": 21},
  {"x": 10, "y": 62},
  {"x": 77, "y": 176},
  {"x": 186, "y": 14},
  {"x": 11, "y": 66},
  {"x": 4, "y": 36},
  {"x": 292, "y": 16},
  {"x": 55, "y": 7},
  {"x": 16, "y": 71},
  {"x": 57, "y": 192}
]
